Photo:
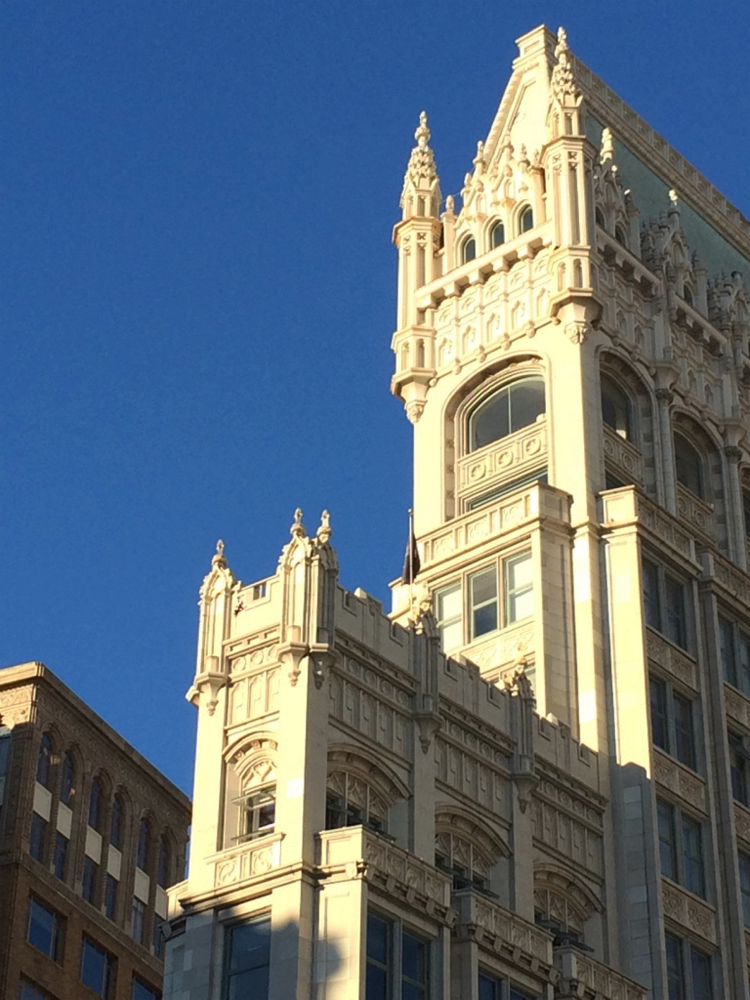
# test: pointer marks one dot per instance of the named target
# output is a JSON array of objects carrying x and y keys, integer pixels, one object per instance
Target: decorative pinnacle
[
  {"x": 324, "y": 531},
  {"x": 673, "y": 197},
  {"x": 607, "y": 151},
  {"x": 422, "y": 134},
  {"x": 218, "y": 559},
  {"x": 297, "y": 530}
]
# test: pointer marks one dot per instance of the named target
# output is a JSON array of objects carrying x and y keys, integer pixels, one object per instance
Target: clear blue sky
[{"x": 197, "y": 289}]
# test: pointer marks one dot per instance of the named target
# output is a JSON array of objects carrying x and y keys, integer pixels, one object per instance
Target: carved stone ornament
[
  {"x": 414, "y": 410},
  {"x": 563, "y": 82},
  {"x": 421, "y": 166},
  {"x": 577, "y": 331}
]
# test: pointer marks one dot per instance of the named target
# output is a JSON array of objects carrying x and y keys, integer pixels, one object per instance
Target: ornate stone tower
[{"x": 380, "y": 811}]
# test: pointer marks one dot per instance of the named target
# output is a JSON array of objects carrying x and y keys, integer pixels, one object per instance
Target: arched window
[
  {"x": 115, "y": 823},
  {"x": 689, "y": 466},
  {"x": 44, "y": 761},
  {"x": 67, "y": 779},
  {"x": 526, "y": 220},
  {"x": 599, "y": 216},
  {"x": 162, "y": 873},
  {"x": 616, "y": 408},
  {"x": 620, "y": 236},
  {"x": 144, "y": 844},
  {"x": 497, "y": 237},
  {"x": 687, "y": 294},
  {"x": 508, "y": 410},
  {"x": 351, "y": 801},
  {"x": 468, "y": 250},
  {"x": 95, "y": 805}
]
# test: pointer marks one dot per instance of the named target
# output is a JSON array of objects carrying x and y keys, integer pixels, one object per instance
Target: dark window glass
[
  {"x": 110, "y": 896},
  {"x": 43, "y": 928},
  {"x": 115, "y": 826},
  {"x": 526, "y": 221},
  {"x": 469, "y": 250},
  {"x": 615, "y": 408},
  {"x": 249, "y": 955},
  {"x": 44, "y": 761},
  {"x": 144, "y": 837},
  {"x": 689, "y": 466},
  {"x": 66, "y": 779},
  {"x": 414, "y": 967},
  {"x": 692, "y": 857},
  {"x": 88, "y": 885},
  {"x": 162, "y": 876},
  {"x": 97, "y": 968},
  {"x": 27, "y": 991},
  {"x": 498, "y": 235},
  {"x": 141, "y": 991},
  {"x": 659, "y": 719},
  {"x": 676, "y": 618},
  {"x": 687, "y": 294},
  {"x": 137, "y": 919},
  {"x": 675, "y": 975},
  {"x": 700, "y": 969},
  {"x": 746, "y": 511},
  {"x": 60, "y": 858},
  {"x": 483, "y": 597},
  {"x": 684, "y": 736},
  {"x": 667, "y": 840},
  {"x": 508, "y": 410},
  {"x": 738, "y": 767},
  {"x": 259, "y": 814},
  {"x": 95, "y": 804},
  {"x": 744, "y": 865},
  {"x": 489, "y": 989},
  {"x": 651, "y": 600},
  {"x": 727, "y": 652},
  {"x": 37, "y": 837},
  {"x": 158, "y": 936},
  {"x": 378, "y": 958}
]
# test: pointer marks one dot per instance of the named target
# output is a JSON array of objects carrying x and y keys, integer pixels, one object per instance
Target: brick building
[{"x": 91, "y": 837}]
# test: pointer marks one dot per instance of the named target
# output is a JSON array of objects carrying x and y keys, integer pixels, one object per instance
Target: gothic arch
[
  {"x": 562, "y": 898},
  {"x": 699, "y": 437},
  {"x": 617, "y": 368},
  {"x": 366, "y": 765},
  {"x": 467, "y": 824}
]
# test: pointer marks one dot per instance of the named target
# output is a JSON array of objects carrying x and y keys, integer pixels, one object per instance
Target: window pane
[
  {"x": 483, "y": 597},
  {"x": 726, "y": 652},
  {"x": 676, "y": 619},
  {"x": 675, "y": 976},
  {"x": 249, "y": 984},
  {"x": 700, "y": 967},
  {"x": 143, "y": 845},
  {"x": 519, "y": 588},
  {"x": 88, "y": 884},
  {"x": 683, "y": 729},
  {"x": 692, "y": 852},
  {"x": 659, "y": 725},
  {"x": 137, "y": 919},
  {"x": 115, "y": 829},
  {"x": 498, "y": 235},
  {"x": 42, "y": 928},
  {"x": 377, "y": 983},
  {"x": 414, "y": 959},
  {"x": 143, "y": 992},
  {"x": 95, "y": 804},
  {"x": 377, "y": 938},
  {"x": 250, "y": 945},
  {"x": 469, "y": 250},
  {"x": 491, "y": 420},
  {"x": 38, "y": 834},
  {"x": 526, "y": 402},
  {"x": 95, "y": 967},
  {"x": 651, "y": 603},
  {"x": 448, "y": 604},
  {"x": 28, "y": 992},
  {"x": 66, "y": 780},
  {"x": 689, "y": 465},
  {"x": 744, "y": 866},
  {"x": 489, "y": 989},
  {"x": 667, "y": 854},
  {"x": 110, "y": 896},
  {"x": 61, "y": 855},
  {"x": 43, "y": 761},
  {"x": 744, "y": 672},
  {"x": 615, "y": 408}
]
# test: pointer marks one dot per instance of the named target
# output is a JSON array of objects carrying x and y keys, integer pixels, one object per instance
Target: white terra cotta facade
[{"x": 560, "y": 807}]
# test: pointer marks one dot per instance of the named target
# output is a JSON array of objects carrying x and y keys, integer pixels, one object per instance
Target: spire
[
  {"x": 421, "y": 192},
  {"x": 218, "y": 559},
  {"x": 565, "y": 96}
]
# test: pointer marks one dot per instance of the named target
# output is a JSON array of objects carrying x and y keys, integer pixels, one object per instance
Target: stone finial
[
  {"x": 324, "y": 531},
  {"x": 297, "y": 529},
  {"x": 450, "y": 204},
  {"x": 218, "y": 559},
  {"x": 422, "y": 133},
  {"x": 564, "y": 86},
  {"x": 673, "y": 197},
  {"x": 421, "y": 173}
]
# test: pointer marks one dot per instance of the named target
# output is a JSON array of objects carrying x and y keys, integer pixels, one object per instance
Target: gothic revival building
[
  {"x": 91, "y": 837},
  {"x": 532, "y": 778}
]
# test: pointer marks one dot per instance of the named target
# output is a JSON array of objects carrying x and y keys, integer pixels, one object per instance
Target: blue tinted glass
[
  {"x": 414, "y": 954},
  {"x": 250, "y": 946},
  {"x": 94, "y": 968},
  {"x": 377, "y": 939},
  {"x": 249, "y": 985},
  {"x": 489, "y": 989},
  {"x": 377, "y": 983},
  {"x": 143, "y": 992}
]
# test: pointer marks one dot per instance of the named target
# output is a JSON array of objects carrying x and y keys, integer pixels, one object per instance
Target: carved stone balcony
[
  {"x": 356, "y": 852},
  {"x": 622, "y": 457},
  {"x": 695, "y": 512},
  {"x": 503, "y": 932},
  {"x": 586, "y": 979},
  {"x": 504, "y": 515},
  {"x": 508, "y": 459},
  {"x": 688, "y": 910},
  {"x": 245, "y": 861}
]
